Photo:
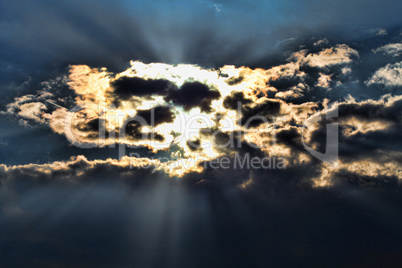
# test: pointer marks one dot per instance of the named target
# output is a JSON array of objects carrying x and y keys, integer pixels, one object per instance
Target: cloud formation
[
  {"x": 208, "y": 148},
  {"x": 388, "y": 76},
  {"x": 195, "y": 116},
  {"x": 394, "y": 50}
]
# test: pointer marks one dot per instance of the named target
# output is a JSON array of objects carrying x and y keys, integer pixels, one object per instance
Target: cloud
[
  {"x": 382, "y": 32},
  {"x": 368, "y": 133},
  {"x": 127, "y": 87},
  {"x": 324, "y": 81},
  {"x": 340, "y": 54},
  {"x": 263, "y": 111},
  {"x": 193, "y": 115},
  {"x": 160, "y": 114},
  {"x": 367, "y": 173},
  {"x": 388, "y": 76},
  {"x": 394, "y": 50},
  {"x": 32, "y": 110},
  {"x": 75, "y": 168},
  {"x": 134, "y": 194},
  {"x": 193, "y": 94},
  {"x": 322, "y": 42},
  {"x": 28, "y": 107}
]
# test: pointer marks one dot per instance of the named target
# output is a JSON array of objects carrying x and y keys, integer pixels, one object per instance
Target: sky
[{"x": 200, "y": 133}]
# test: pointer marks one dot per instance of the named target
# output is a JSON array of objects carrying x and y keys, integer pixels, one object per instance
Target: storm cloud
[{"x": 194, "y": 133}]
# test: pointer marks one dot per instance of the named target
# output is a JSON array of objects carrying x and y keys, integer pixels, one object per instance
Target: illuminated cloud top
[{"x": 193, "y": 115}]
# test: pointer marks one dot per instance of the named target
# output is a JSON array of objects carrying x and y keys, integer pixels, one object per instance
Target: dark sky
[{"x": 62, "y": 205}]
